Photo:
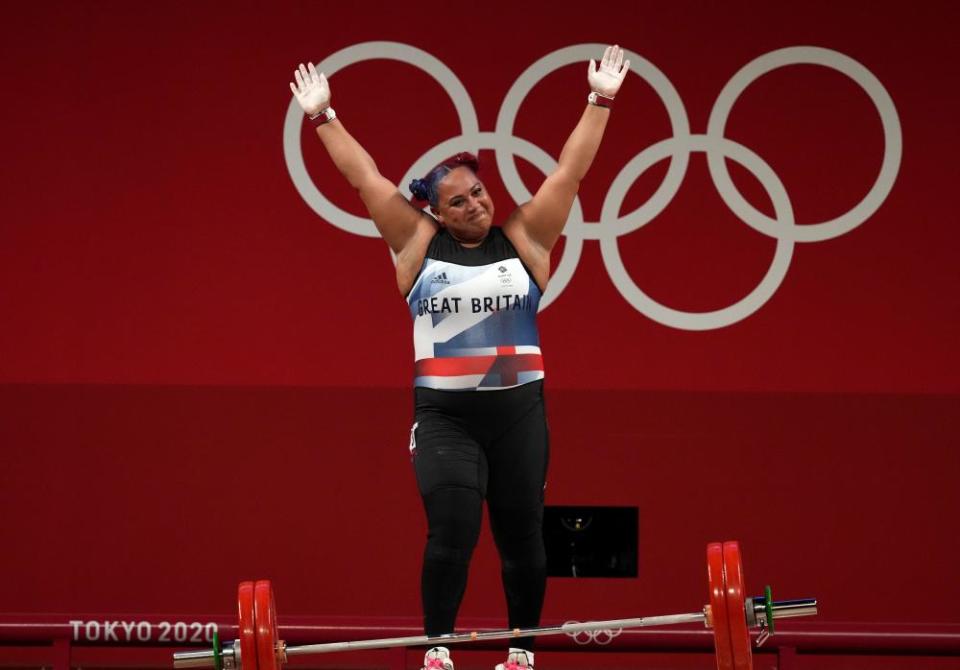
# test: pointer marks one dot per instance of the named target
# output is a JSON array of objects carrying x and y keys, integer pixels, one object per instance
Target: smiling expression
[{"x": 464, "y": 207}]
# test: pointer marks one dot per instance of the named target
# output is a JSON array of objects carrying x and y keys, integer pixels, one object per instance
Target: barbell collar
[
  {"x": 205, "y": 659},
  {"x": 785, "y": 609}
]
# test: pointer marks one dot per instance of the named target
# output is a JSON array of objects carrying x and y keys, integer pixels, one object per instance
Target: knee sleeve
[
  {"x": 519, "y": 536},
  {"x": 453, "y": 521}
]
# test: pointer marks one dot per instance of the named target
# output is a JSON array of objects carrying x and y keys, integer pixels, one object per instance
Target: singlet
[{"x": 474, "y": 316}]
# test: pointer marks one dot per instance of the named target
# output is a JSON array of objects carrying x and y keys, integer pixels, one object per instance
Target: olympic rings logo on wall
[{"x": 782, "y": 227}]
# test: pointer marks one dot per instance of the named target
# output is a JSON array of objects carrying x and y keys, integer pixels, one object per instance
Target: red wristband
[
  {"x": 324, "y": 116},
  {"x": 599, "y": 100}
]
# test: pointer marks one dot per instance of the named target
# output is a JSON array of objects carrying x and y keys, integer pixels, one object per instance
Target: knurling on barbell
[{"x": 259, "y": 647}]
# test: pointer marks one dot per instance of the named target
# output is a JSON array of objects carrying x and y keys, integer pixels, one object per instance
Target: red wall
[
  {"x": 202, "y": 380},
  {"x": 160, "y": 499}
]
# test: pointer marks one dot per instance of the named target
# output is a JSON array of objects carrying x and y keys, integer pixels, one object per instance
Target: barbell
[{"x": 729, "y": 613}]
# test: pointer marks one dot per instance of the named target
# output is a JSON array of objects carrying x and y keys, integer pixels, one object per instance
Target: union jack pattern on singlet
[{"x": 474, "y": 317}]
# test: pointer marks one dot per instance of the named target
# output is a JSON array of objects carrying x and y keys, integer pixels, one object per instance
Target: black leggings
[{"x": 472, "y": 446}]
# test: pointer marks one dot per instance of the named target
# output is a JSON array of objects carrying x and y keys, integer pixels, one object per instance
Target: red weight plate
[
  {"x": 269, "y": 654},
  {"x": 736, "y": 607},
  {"x": 718, "y": 606},
  {"x": 247, "y": 632}
]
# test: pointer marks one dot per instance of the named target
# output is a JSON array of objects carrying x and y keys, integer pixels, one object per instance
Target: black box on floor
[{"x": 590, "y": 541}]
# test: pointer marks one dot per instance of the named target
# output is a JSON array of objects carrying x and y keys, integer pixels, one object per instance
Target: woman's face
[{"x": 463, "y": 206}]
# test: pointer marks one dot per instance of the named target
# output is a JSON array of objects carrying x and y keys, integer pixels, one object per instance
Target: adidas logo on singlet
[{"x": 440, "y": 279}]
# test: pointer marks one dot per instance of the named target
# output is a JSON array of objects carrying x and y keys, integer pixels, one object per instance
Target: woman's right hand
[{"x": 311, "y": 90}]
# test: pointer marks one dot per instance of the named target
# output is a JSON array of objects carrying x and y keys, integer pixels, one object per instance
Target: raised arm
[
  {"x": 396, "y": 219},
  {"x": 537, "y": 224}
]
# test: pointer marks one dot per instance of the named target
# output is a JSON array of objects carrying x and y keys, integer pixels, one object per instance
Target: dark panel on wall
[{"x": 590, "y": 541}]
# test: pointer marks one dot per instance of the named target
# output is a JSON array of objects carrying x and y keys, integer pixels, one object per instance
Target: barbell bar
[{"x": 728, "y": 613}]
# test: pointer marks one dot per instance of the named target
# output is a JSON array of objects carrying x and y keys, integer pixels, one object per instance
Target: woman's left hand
[{"x": 607, "y": 78}]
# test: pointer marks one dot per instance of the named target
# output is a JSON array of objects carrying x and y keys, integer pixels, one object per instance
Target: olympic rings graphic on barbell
[
  {"x": 601, "y": 637},
  {"x": 783, "y": 228}
]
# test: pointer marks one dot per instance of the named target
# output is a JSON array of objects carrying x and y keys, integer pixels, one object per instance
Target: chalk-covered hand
[
  {"x": 607, "y": 78},
  {"x": 311, "y": 90}
]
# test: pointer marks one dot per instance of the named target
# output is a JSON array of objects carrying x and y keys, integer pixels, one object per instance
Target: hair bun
[{"x": 418, "y": 188}]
